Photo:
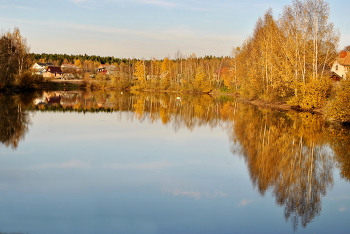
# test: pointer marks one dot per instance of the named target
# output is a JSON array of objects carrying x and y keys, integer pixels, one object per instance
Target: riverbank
[
  {"x": 282, "y": 106},
  {"x": 63, "y": 84},
  {"x": 73, "y": 84}
]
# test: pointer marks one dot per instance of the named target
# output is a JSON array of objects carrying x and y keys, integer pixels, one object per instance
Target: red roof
[
  {"x": 53, "y": 99},
  {"x": 344, "y": 58},
  {"x": 53, "y": 69}
]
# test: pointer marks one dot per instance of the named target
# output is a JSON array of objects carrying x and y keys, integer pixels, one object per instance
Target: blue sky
[{"x": 145, "y": 28}]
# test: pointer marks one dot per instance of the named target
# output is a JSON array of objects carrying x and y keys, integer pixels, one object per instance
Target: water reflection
[
  {"x": 291, "y": 154},
  {"x": 182, "y": 110},
  {"x": 339, "y": 138},
  {"x": 14, "y": 118}
]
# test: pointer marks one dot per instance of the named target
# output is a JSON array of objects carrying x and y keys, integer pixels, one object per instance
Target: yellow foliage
[
  {"x": 338, "y": 109},
  {"x": 139, "y": 108},
  {"x": 227, "y": 111},
  {"x": 313, "y": 94},
  {"x": 201, "y": 82},
  {"x": 280, "y": 152},
  {"x": 77, "y": 63},
  {"x": 140, "y": 73},
  {"x": 27, "y": 79},
  {"x": 164, "y": 115},
  {"x": 140, "y": 70},
  {"x": 228, "y": 77}
]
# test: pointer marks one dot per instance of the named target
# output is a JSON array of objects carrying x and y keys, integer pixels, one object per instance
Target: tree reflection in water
[
  {"x": 14, "y": 118},
  {"x": 291, "y": 154},
  {"x": 339, "y": 137}
]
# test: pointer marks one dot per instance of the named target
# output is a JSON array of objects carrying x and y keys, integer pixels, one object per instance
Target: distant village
[
  {"x": 340, "y": 69},
  {"x": 68, "y": 71}
]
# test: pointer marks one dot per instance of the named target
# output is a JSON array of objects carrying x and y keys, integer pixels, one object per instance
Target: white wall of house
[
  {"x": 37, "y": 66},
  {"x": 339, "y": 69},
  {"x": 38, "y": 69},
  {"x": 52, "y": 75}
]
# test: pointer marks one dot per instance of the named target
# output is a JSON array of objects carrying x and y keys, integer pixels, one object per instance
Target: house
[
  {"x": 341, "y": 65},
  {"x": 53, "y": 100},
  {"x": 107, "y": 69},
  {"x": 53, "y": 72},
  {"x": 101, "y": 68},
  {"x": 39, "y": 68}
]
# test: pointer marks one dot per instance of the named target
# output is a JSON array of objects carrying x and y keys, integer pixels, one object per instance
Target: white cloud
[
  {"x": 158, "y": 3},
  {"x": 88, "y": 4},
  {"x": 69, "y": 164},
  {"x": 123, "y": 42},
  {"x": 17, "y": 7},
  {"x": 345, "y": 197},
  {"x": 140, "y": 166},
  {"x": 146, "y": 33},
  {"x": 245, "y": 202},
  {"x": 79, "y": 1},
  {"x": 163, "y": 3},
  {"x": 343, "y": 208},
  {"x": 176, "y": 192},
  {"x": 149, "y": 2}
]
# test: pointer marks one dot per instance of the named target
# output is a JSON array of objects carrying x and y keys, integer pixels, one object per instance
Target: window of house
[{"x": 336, "y": 67}]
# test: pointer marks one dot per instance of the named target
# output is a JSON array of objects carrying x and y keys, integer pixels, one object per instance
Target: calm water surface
[{"x": 115, "y": 162}]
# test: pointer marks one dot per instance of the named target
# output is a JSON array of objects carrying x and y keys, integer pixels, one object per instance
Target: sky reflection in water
[{"x": 109, "y": 173}]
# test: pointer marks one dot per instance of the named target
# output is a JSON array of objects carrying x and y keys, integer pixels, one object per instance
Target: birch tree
[
  {"x": 310, "y": 43},
  {"x": 13, "y": 56},
  {"x": 287, "y": 59}
]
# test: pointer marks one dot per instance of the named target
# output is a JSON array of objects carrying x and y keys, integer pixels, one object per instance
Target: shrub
[
  {"x": 338, "y": 108},
  {"x": 313, "y": 94},
  {"x": 27, "y": 80}
]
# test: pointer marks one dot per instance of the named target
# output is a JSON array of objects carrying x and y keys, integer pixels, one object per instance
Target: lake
[{"x": 118, "y": 162}]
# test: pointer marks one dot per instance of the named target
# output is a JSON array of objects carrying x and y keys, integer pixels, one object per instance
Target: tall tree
[
  {"x": 310, "y": 43},
  {"x": 13, "y": 56},
  {"x": 288, "y": 58}
]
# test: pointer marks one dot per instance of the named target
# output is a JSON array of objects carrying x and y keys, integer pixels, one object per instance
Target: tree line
[
  {"x": 192, "y": 73},
  {"x": 59, "y": 59}
]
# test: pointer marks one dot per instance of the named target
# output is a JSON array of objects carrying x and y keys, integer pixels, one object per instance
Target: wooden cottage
[
  {"x": 341, "y": 65},
  {"x": 53, "y": 72},
  {"x": 107, "y": 69}
]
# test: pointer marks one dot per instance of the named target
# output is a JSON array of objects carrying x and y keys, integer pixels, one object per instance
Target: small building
[
  {"x": 53, "y": 72},
  {"x": 341, "y": 65},
  {"x": 107, "y": 69},
  {"x": 39, "y": 68},
  {"x": 101, "y": 68},
  {"x": 53, "y": 100}
]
